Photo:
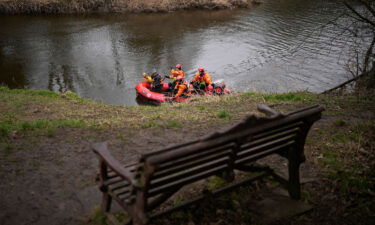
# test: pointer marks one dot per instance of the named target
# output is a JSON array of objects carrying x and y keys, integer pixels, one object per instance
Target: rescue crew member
[
  {"x": 157, "y": 84},
  {"x": 147, "y": 78},
  {"x": 202, "y": 80},
  {"x": 181, "y": 88},
  {"x": 174, "y": 74}
]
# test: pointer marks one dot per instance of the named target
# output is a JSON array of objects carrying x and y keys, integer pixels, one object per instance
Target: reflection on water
[
  {"x": 11, "y": 72},
  {"x": 60, "y": 78},
  {"x": 278, "y": 47}
]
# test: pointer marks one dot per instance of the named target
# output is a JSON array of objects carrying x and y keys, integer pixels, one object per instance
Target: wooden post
[
  {"x": 140, "y": 216},
  {"x": 294, "y": 186},
  {"x": 106, "y": 202},
  {"x": 106, "y": 199}
]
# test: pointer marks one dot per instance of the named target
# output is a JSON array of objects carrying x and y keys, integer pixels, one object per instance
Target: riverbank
[
  {"x": 48, "y": 169},
  {"x": 118, "y": 6}
]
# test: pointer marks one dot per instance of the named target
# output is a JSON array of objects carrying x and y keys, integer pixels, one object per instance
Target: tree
[{"x": 362, "y": 14}]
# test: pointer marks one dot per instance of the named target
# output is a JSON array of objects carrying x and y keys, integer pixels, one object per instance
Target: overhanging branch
[
  {"x": 364, "y": 19},
  {"x": 369, "y": 8}
]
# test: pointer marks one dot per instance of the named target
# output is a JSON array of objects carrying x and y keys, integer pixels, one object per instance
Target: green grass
[
  {"x": 351, "y": 181},
  {"x": 5, "y": 130},
  {"x": 50, "y": 132},
  {"x": 97, "y": 217},
  {"x": 30, "y": 92},
  {"x": 250, "y": 94},
  {"x": 46, "y": 109},
  {"x": 173, "y": 123},
  {"x": 29, "y": 126},
  {"x": 69, "y": 123},
  {"x": 216, "y": 182},
  {"x": 223, "y": 115},
  {"x": 284, "y": 97},
  {"x": 149, "y": 124},
  {"x": 339, "y": 122},
  {"x": 347, "y": 155},
  {"x": 331, "y": 159}
]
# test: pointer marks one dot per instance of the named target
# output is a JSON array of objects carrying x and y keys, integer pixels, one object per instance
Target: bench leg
[
  {"x": 106, "y": 202},
  {"x": 294, "y": 186},
  {"x": 139, "y": 219},
  {"x": 137, "y": 222}
]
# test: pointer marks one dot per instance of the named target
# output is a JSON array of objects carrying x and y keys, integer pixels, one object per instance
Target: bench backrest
[{"x": 246, "y": 141}]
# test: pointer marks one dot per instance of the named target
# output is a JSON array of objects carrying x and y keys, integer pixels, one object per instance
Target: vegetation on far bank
[{"x": 89, "y": 6}]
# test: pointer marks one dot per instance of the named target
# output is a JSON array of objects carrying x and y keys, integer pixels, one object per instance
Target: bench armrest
[
  {"x": 105, "y": 156},
  {"x": 267, "y": 110}
]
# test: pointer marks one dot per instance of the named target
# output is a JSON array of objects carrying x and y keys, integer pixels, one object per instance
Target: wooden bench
[{"x": 142, "y": 187}]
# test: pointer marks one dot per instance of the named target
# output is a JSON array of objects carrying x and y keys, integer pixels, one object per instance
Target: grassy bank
[
  {"x": 33, "y": 110},
  {"x": 90, "y": 6},
  {"x": 42, "y": 132}
]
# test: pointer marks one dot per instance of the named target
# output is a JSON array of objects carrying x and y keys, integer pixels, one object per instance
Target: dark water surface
[{"x": 280, "y": 46}]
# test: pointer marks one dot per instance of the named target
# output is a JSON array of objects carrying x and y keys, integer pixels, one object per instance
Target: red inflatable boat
[{"x": 144, "y": 92}]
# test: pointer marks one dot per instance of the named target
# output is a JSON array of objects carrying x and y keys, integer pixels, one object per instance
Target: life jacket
[
  {"x": 205, "y": 79},
  {"x": 148, "y": 79},
  {"x": 182, "y": 89},
  {"x": 175, "y": 73}
]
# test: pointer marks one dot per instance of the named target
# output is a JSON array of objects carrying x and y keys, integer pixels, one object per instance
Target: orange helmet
[
  {"x": 179, "y": 66},
  {"x": 201, "y": 69}
]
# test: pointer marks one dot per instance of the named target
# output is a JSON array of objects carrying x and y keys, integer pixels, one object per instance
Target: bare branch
[
  {"x": 358, "y": 68},
  {"x": 369, "y": 54},
  {"x": 364, "y": 19},
  {"x": 372, "y": 11}
]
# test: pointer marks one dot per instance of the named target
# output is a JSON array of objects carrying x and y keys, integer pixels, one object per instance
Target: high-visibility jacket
[
  {"x": 175, "y": 73},
  {"x": 204, "y": 79},
  {"x": 148, "y": 79},
  {"x": 182, "y": 89}
]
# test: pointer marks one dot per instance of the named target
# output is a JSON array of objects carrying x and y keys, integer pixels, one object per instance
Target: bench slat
[
  {"x": 118, "y": 186},
  {"x": 187, "y": 180},
  {"x": 252, "y": 149},
  {"x": 113, "y": 180},
  {"x": 120, "y": 190},
  {"x": 185, "y": 151},
  {"x": 188, "y": 172},
  {"x": 266, "y": 139},
  {"x": 190, "y": 163},
  {"x": 124, "y": 195},
  {"x": 276, "y": 131},
  {"x": 191, "y": 157},
  {"x": 252, "y": 157}
]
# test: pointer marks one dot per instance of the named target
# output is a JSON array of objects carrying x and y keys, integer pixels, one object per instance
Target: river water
[{"x": 280, "y": 46}]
